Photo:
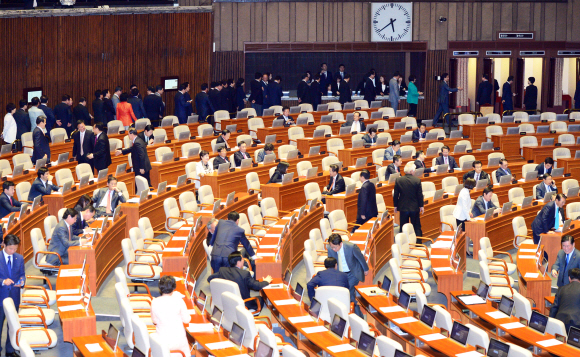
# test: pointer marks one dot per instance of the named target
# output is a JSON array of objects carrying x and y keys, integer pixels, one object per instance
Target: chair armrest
[
  {"x": 418, "y": 260},
  {"x": 271, "y": 218},
  {"x": 425, "y": 238},
  {"x": 140, "y": 276},
  {"x": 447, "y": 224},
  {"x": 47, "y": 253},
  {"x": 39, "y": 315},
  {"x": 155, "y": 242},
  {"x": 177, "y": 218},
  {"x": 254, "y": 189},
  {"x": 267, "y": 322},
  {"x": 501, "y": 276},
  {"x": 163, "y": 232},
  {"x": 260, "y": 226},
  {"x": 148, "y": 253},
  {"x": 499, "y": 285},
  {"x": 255, "y": 240},
  {"x": 205, "y": 205},
  {"x": 411, "y": 281},
  {"x": 178, "y": 352},
  {"x": 506, "y": 253},
  {"x": 140, "y": 284},
  {"x": 43, "y": 278},
  {"x": 420, "y": 247},
  {"x": 34, "y": 329},
  {"x": 419, "y": 271},
  {"x": 249, "y": 264},
  {"x": 45, "y": 297},
  {"x": 341, "y": 230},
  {"x": 318, "y": 264},
  {"x": 186, "y": 211},
  {"x": 259, "y": 309},
  {"x": 498, "y": 265}
]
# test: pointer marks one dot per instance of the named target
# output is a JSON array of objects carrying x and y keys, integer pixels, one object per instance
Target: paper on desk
[
  {"x": 445, "y": 237},
  {"x": 441, "y": 244},
  {"x": 362, "y": 231},
  {"x": 275, "y": 286},
  {"x": 180, "y": 238},
  {"x": 531, "y": 275},
  {"x": 272, "y": 235},
  {"x": 286, "y": 302},
  {"x": 242, "y": 355},
  {"x": 361, "y": 242},
  {"x": 526, "y": 257},
  {"x": 440, "y": 256},
  {"x": 388, "y": 309},
  {"x": 528, "y": 250},
  {"x": 549, "y": 343},
  {"x": 471, "y": 300},
  {"x": 172, "y": 186},
  {"x": 133, "y": 200},
  {"x": 191, "y": 311},
  {"x": 168, "y": 250},
  {"x": 512, "y": 325},
  {"x": 278, "y": 226},
  {"x": 153, "y": 193},
  {"x": 405, "y": 320},
  {"x": 443, "y": 269},
  {"x": 70, "y": 298},
  {"x": 479, "y": 218},
  {"x": 339, "y": 194},
  {"x": 433, "y": 337},
  {"x": 314, "y": 329},
  {"x": 185, "y": 228},
  {"x": 372, "y": 291},
  {"x": 93, "y": 347},
  {"x": 220, "y": 345},
  {"x": 70, "y": 272},
  {"x": 265, "y": 254},
  {"x": 208, "y": 327},
  {"x": 72, "y": 307},
  {"x": 286, "y": 218},
  {"x": 469, "y": 354},
  {"x": 299, "y": 319},
  {"x": 497, "y": 315},
  {"x": 205, "y": 211},
  {"x": 341, "y": 348},
  {"x": 156, "y": 162},
  {"x": 68, "y": 291}
]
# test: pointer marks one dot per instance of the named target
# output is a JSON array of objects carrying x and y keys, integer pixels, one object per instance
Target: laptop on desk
[
  {"x": 505, "y": 179},
  {"x": 318, "y": 133},
  {"x": 62, "y": 158},
  {"x": 287, "y": 178},
  {"x": 160, "y": 139},
  {"x": 344, "y": 131},
  {"x": 314, "y": 150}
]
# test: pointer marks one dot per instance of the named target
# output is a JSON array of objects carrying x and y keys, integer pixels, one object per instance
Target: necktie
[
  {"x": 446, "y": 160},
  {"x": 108, "y": 202},
  {"x": 82, "y": 139},
  {"x": 10, "y": 265},
  {"x": 557, "y": 223},
  {"x": 548, "y": 188},
  {"x": 567, "y": 261},
  {"x": 10, "y": 200},
  {"x": 333, "y": 182},
  {"x": 476, "y": 176},
  {"x": 485, "y": 202},
  {"x": 396, "y": 169},
  {"x": 69, "y": 234}
]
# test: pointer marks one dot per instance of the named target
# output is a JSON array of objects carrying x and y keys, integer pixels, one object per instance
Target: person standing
[
  {"x": 180, "y": 110},
  {"x": 343, "y": 90},
  {"x": 108, "y": 108},
  {"x": 566, "y": 307},
  {"x": 99, "y": 107},
  {"x": 117, "y": 98},
  {"x": 341, "y": 73},
  {"x": 101, "y": 154},
  {"x": 139, "y": 157},
  {"x": 125, "y": 112},
  {"x": 507, "y": 96},
  {"x": 34, "y": 112},
  {"x": 484, "y": 91},
  {"x": 531, "y": 96},
  {"x": 63, "y": 113},
  {"x": 462, "y": 208},
  {"x": 413, "y": 96},
  {"x": 325, "y": 79},
  {"x": 350, "y": 261},
  {"x": 443, "y": 100},
  {"x": 10, "y": 128},
  {"x": 408, "y": 199},
  {"x": 202, "y": 104},
  {"x": 153, "y": 104},
  {"x": 266, "y": 98},
  {"x": 370, "y": 88},
  {"x": 188, "y": 100},
  {"x": 275, "y": 91},
  {"x": 568, "y": 258},
  {"x": 302, "y": 91},
  {"x": 394, "y": 97},
  {"x": 256, "y": 96},
  {"x": 50, "y": 118},
  {"x": 13, "y": 278},
  {"x": 330, "y": 276},
  {"x": 40, "y": 141},
  {"x": 83, "y": 144},
  {"x": 550, "y": 217},
  {"x": 22, "y": 120},
  {"x": 80, "y": 112},
  {"x": 137, "y": 104},
  {"x": 225, "y": 240},
  {"x": 367, "y": 200},
  {"x": 240, "y": 95},
  {"x": 316, "y": 91}
]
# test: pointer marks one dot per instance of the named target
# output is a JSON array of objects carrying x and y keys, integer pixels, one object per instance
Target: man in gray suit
[
  {"x": 394, "y": 97},
  {"x": 548, "y": 185},
  {"x": 394, "y": 149},
  {"x": 483, "y": 203},
  {"x": 566, "y": 306},
  {"x": 443, "y": 99},
  {"x": 107, "y": 198},
  {"x": 225, "y": 238},
  {"x": 117, "y": 98},
  {"x": 63, "y": 238},
  {"x": 568, "y": 258},
  {"x": 350, "y": 261}
]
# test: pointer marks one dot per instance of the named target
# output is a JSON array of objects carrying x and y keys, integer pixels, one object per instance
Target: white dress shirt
[
  {"x": 9, "y": 132},
  {"x": 104, "y": 200},
  {"x": 463, "y": 206},
  {"x": 355, "y": 127}
]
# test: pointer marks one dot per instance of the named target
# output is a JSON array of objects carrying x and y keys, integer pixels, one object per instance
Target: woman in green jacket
[{"x": 413, "y": 96}]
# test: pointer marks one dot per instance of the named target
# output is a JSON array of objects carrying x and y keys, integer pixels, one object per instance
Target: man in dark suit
[
  {"x": 42, "y": 185},
  {"x": 367, "y": 201},
  {"x": 577, "y": 96},
  {"x": 302, "y": 91},
  {"x": 63, "y": 113},
  {"x": 63, "y": 238},
  {"x": 477, "y": 173},
  {"x": 420, "y": 133},
  {"x": 336, "y": 184},
  {"x": 256, "y": 98},
  {"x": 22, "y": 120},
  {"x": 147, "y": 135},
  {"x": 99, "y": 107},
  {"x": 137, "y": 104},
  {"x": 545, "y": 167},
  {"x": 235, "y": 272},
  {"x": 8, "y": 203},
  {"x": 223, "y": 138},
  {"x": 108, "y": 198},
  {"x": 13, "y": 278},
  {"x": 40, "y": 141},
  {"x": 341, "y": 72},
  {"x": 446, "y": 159},
  {"x": 241, "y": 154},
  {"x": 566, "y": 307},
  {"x": 343, "y": 90},
  {"x": 394, "y": 167},
  {"x": 202, "y": 104},
  {"x": 331, "y": 276},
  {"x": 288, "y": 119},
  {"x": 81, "y": 224},
  {"x": 222, "y": 158},
  {"x": 80, "y": 112},
  {"x": 225, "y": 240},
  {"x": 371, "y": 136},
  {"x": 350, "y": 261},
  {"x": 355, "y": 125},
  {"x": 548, "y": 185},
  {"x": 483, "y": 203},
  {"x": 214, "y": 95},
  {"x": 180, "y": 110},
  {"x": 443, "y": 100},
  {"x": 370, "y": 89},
  {"x": 50, "y": 118},
  {"x": 153, "y": 105},
  {"x": 531, "y": 96},
  {"x": 139, "y": 157},
  {"x": 108, "y": 107},
  {"x": 101, "y": 154},
  {"x": 420, "y": 162},
  {"x": 316, "y": 91},
  {"x": 484, "y": 91},
  {"x": 188, "y": 100},
  {"x": 568, "y": 258},
  {"x": 503, "y": 170},
  {"x": 275, "y": 91},
  {"x": 408, "y": 199},
  {"x": 325, "y": 78},
  {"x": 550, "y": 217},
  {"x": 83, "y": 146},
  {"x": 226, "y": 97},
  {"x": 267, "y": 102},
  {"x": 507, "y": 96}
]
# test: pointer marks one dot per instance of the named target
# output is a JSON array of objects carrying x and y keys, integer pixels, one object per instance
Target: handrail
[
  {"x": 566, "y": 111},
  {"x": 523, "y": 110},
  {"x": 459, "y": 113}
]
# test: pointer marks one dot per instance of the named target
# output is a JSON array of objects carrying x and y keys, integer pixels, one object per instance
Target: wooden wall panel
[
  {"x": 437, "y": 64},
  {"x": 226, "y": 65}
]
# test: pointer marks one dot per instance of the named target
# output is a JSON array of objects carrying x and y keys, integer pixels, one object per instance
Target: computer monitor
[
  {"x": 287, "y": 278},
  {"x": 201, "y": 300},
  {"x": 459, "y": 333},
  {"x": 497, "y": 348},
  {"x": 113, "y": 335},
  {"x": 338, "y": 326},
  {"x": 237, "y": 335},
  {"x": 404, "y": 300},
  {"x": 216, "y": 316},
  {"x": 482, "y": 290},
  {"x": 315, "y": 307},
  {"x": 299, "y": 291},
  {"x": 263, "y": 350},
  {"x": 574, "y": 336},
  {"x": 506, "y": 305},
  {"x": 428, "y": 316},
  {"x": 137, "y": 353},
  {"x": 386, "y": 285},
  {"x": 538, "y": 322},
  {"x": 366, "y": 343},
  {"x": 399, "y": 353}
]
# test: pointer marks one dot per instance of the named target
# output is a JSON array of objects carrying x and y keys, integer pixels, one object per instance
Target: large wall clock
[{"x": 392, "y": 21}]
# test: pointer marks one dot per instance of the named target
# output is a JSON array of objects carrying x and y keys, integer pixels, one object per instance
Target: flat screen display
[
  {"x": 538, "y": 322},
  {"x": 459, "y": 333},
  {"x": 171, "y": 84},
  {"x": 497, "y": 348},
  {"x": 33, "y": 93}
]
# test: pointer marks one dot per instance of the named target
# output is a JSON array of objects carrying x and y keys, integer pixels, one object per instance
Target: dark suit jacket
[
  {"x": 444, "y": 90},
  {"x": 138, "y": 108},
  {"x": 226, "y": 238},
  {"x": 479, "y": 206},
  {"x": 238, "y": 157},
  {"x": 328, "y": 277},
  {"x": 41, "y": 145},
  {"x": 391, "y": 169},
  {"x": 188, "y": 105},
  {"x": 368, "y": 140},
  {"x": 302, "y": 92},
  {"x": 180, "y": 110},
  {"x": 60, "y": 242},
  {"x": 80, "y": 112},
  {"x": 367, "y": 201},
  {"x": 142, "y": 136},
  {"x": 154, "y": 107},
  {"x": 63, "y": 113},
  {"x": 370, "y": 90},
  {"x": 339, "y": 186},
  {"x": 500, "y": 172},
  {"x": 11, "y": 291},
  {"x": 6, "y": 208},
  {"x": 88, "y": 143},
  {"x": 265, "y": 93},
  {"x": 225, "y": 99},
  {"x": 109, "y": 110},
  {"x": 139, "y": 156},
  {"x": 38, "y": 189},
  {"x": 507, "y": 96},
  {"x": 276, "y": 177},
  {"x": 315, "y": 93},
  {"x": 218, "y": 160},
  {"x": 577, "y": 92},
  {"x": 101, "y": 152},
  {"x": 482, "y": 176},
  {"x": 116, "y": 199},
  {"x": 542, "y": 169},
  {"x": 241, "y": 277},
  {"x": 484, "y": 93},
  {"x": 541, "y": 190},
  {"x": 240, "y": 96},
  {"x": 441, "y": 161},
  {"x": 561, "y": 263},
  {"x": 99, "y": 110},
  {"x": 337, "y": 74},
  {"x": 345, "y": 95},
  {"x": 203, "y": 105},
  {"x": 408, "y": 195},
  {"x": 545, "y": 220},
  {"x": 417, "y": 135},
  {"x": 531, "y": 97},
  {"x": 566, "y": 307},
  {"x": 256, "y": 92},
  {"x": 215, "y": 99},
  {"x": 420, "y": 164},
  {"x": 287, "y": 123},
  {"x": 50, "y": 118},
  {"x": 326, "y": 80},
  {"x": 349, "y": 123},
  {"x": 354, "y": 259},
  {"x": 22, "y": 123},
  {"x": 220, "y": 140},
  {"x": 79, "y": 226}
]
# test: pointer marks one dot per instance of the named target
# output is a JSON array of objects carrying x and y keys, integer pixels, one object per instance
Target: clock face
[{"x": 391, "y": 22}]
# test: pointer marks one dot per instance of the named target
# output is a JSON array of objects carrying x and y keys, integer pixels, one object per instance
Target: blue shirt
[{"x": 344, "y": 266}]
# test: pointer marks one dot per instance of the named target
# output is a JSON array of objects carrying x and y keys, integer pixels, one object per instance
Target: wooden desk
[
  {"x": 23, "y": 226},
  {"x": 168, "y": 171},
  {"x": 570, "y": 166},
  {"x": 60, "y": 148},
  {"x": 75, "y": 323},
  {"x": 539, "y": 153},
  {"x": 510, "y": 144},
  {"x": 477, "y": 135},
  {"x": 530, "y": 287},
  {"x": 291, "y": 196},
  {"x": 56, "y": 201},
  {"x": 81, "y": 351},
  {"x": 448, "y": 277},
  {"x": 105, "y": 255}
]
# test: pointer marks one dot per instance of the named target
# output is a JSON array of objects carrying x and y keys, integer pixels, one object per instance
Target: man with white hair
[{"x": 408, "y": 198}]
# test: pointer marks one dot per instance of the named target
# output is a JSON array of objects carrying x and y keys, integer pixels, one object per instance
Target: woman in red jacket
[{"x": 125, "y": 112}]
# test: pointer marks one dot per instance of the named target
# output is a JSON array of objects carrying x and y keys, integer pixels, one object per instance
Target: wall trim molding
[{"x": 415, "y": 46}]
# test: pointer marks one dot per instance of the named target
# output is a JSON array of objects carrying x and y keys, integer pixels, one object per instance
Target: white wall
[
  {"x": 501, "y": 71},
  {"x": 569, "y": 80},
  {"x": 472, "y": 81}
]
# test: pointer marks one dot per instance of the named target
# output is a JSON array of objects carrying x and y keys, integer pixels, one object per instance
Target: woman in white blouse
[
  {"x": 203, "y": 167},
  {"x": 9, "y": 132},
  {"x": 383, "y": 86},
  {"x": 462, "y": 211}
]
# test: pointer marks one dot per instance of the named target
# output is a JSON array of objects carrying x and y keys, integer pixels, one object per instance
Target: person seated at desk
[
  {"x": 203, "y": 167},
  {"x": 81, "y": 225},
  {"x": 550, "y": 217},
  {"x": 483, "y": 203},
  {"x": 147, "y": 135},
  {"x": 356, "y": 125},
  {"x": 63, "y": 238},
  {"x": 370, "y": 137},
  {"x": 566, "y": 307},
  {"x": 420, "y": 134},
  {"x": 336, "y": 184},
  {"x": 42, "y": 185},
  {"x": 83, "y": 201},
  {"x": 267, "y": 150},
  {"x": 331, "y": 276},
  {"x": 8, "y": 203},
  {"x": 223, "y": 138},
  {"x": 288, "y": 120},
  {"x": 236, "y": 273},
  {"x": 394, "y": 167},
  {"x": 547, "y": 186},
  {"x": 222, "y": 158},
  {"x": 444, "y": 158},
  {"x": 568, "y": 258},
  {"x": 420, "y": 162},
  {"x": 394, "y": 149},
  {"x": 545, "y": 167},
  {"x": 241, "y": 154},
  {"x": 477, "y": 173},
  {"x": 107, "y": 198},
  {"x": 279, "y": 172},
  {"x": 503, "y": 170}
]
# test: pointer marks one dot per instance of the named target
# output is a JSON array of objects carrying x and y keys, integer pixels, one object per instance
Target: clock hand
[{"x": 392, "y": 23}]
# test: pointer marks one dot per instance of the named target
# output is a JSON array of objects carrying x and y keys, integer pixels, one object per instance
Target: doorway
[{"x": 533, "y": 67}]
